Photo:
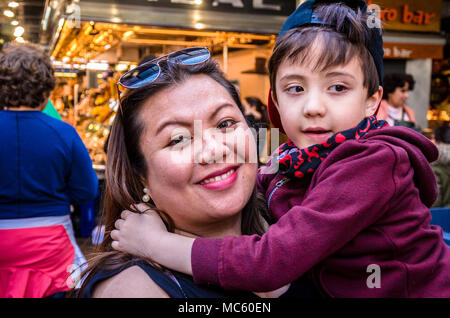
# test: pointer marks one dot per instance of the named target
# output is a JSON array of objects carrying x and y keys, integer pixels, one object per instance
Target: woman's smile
[{"x": 220, "y": 180}]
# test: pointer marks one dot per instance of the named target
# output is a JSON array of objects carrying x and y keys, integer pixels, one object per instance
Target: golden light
[
  {"x": 18, "y": 31},
  {"x": 127, "y": 35},
  {"x": 20, "y": 39},
  {"x": 13, "y": 4},
  {"x": 199, "y": 26},
  {"x": 121, "y": 67},
  {"x": 60, "y": 23},
  {"x": 8, "y": 13},
  {"x": 15, "y": 22}
]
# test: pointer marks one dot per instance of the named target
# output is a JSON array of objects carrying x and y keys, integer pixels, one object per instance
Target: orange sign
[
  {"x": 413, "y": 51},
  {"x": 408, "y": 15}
]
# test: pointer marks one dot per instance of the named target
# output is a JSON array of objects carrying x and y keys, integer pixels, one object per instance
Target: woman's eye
[
  {"x": 338, "y": 88},
  {"x": 179, "y": 139},
  {"x": 226, "y": 124},
  {"x": 295, "y": 89}
]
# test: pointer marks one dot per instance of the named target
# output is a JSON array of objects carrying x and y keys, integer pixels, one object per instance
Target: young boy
[{"x": 351, "y": 196}]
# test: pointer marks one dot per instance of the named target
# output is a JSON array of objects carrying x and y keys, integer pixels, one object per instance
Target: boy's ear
[
  {"x": 274, "y": 100},
  {"x": 373, "y": 102}
]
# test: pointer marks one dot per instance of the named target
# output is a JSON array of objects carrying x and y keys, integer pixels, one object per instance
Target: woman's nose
[{"x": 213, "y": 149}]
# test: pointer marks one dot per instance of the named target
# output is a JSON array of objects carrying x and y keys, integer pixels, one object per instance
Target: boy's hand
[{"x": 137, "y": 234}]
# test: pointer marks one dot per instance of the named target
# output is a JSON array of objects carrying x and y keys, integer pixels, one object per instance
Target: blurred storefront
[
  {"x": 93, "y": 42},
  {"x": 414, "y": 43}
]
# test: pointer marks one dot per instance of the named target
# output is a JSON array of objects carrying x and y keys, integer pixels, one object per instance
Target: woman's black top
[{"x": 179, "y": 285}]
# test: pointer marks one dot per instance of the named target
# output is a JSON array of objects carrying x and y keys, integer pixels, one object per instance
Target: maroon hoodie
[{"x": 364, "y": 212}]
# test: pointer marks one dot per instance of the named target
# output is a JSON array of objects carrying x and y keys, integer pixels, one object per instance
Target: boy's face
[{"x": 314, "y": 105}]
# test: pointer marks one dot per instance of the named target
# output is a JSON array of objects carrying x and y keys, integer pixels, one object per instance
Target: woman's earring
[{"x": 145, "y": 197}]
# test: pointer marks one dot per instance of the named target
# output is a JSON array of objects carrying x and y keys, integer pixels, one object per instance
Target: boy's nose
[{"x": 314, "y": 106}]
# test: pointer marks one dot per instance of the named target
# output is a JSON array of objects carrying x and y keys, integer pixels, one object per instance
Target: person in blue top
[{"x": 45, "y": 168}]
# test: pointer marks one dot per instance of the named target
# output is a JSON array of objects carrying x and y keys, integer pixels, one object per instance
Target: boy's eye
[
  {"x": 226, "y": 124},
  {"x": 338, "y": 88},
  {"x": 179, "y": 139},
  {"x": 295, "y": 89}
]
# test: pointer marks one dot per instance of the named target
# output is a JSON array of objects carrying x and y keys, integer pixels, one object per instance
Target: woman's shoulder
[
  {"x": 132, "y": 282},
  {"x": 136, "y": 279},
  {"x": 139, "y": 279}
]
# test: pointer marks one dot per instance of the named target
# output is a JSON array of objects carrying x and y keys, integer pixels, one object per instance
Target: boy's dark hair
[
  {"x": 26, "y": 76},
  {"x": 393, "y": 80},
  {"x": 348, "y": 37}
]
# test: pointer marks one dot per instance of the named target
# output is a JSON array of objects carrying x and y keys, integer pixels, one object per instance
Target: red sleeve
[{"x": 351, "y": 189}]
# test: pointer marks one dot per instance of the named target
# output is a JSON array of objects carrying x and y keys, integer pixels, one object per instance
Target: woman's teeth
[{"x": 218, "y": 178}]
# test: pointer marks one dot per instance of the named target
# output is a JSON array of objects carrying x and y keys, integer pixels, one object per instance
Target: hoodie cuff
[{"x": 205, "y": 261}]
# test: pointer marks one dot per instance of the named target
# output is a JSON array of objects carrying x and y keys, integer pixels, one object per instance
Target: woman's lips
[{"x": 222, "y": 181}]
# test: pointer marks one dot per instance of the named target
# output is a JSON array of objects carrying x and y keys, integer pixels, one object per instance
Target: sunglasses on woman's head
[{"x": 149, "y": 71}]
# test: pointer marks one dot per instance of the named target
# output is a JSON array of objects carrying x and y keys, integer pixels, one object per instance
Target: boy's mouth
[
  {"x": 316, "y": 130},
  {"x": 317, "y": 133}
]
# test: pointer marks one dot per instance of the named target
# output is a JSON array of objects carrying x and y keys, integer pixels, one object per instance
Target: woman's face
[
  {"x": 398, "y": 98},
  {"x": 200, "y": 155}
]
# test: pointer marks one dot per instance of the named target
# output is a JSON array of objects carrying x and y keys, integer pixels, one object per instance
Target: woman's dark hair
[
  {"x": 26, "y": 76},
  {"x": 126, "y": 166},
  {"x": 442, "y": 134},
  {"x": 393, "y": 80},
  {"x": 340, "y": 44}
]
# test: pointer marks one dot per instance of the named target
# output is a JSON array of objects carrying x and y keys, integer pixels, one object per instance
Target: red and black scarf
[{"x": 298, "y": 163}]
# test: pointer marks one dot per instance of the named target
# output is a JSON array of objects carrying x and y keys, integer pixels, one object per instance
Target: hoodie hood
[{"x": 421, "y": 152}]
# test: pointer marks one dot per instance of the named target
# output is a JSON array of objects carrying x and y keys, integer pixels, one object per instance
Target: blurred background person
[
  {"x": 51, "y": 111},
  {"x": 255, "y": 112},
  {"x": 393, "y": 108},
  {"x": 441, "y": 167},
  {"x": 45, "y": 168}
]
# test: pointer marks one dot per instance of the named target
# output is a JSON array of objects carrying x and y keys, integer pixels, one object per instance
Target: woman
[
  {"x": 393, "y": 107},
  {"x": 170, "y": 148},
  {"x": 45, "y": 169}
]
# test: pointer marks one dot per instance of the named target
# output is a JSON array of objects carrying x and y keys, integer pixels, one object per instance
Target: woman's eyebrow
[
  {"x": 172, "y": 123},
  {"x": 189, "y": 124},
  {"x": 218, "y": 109}
]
